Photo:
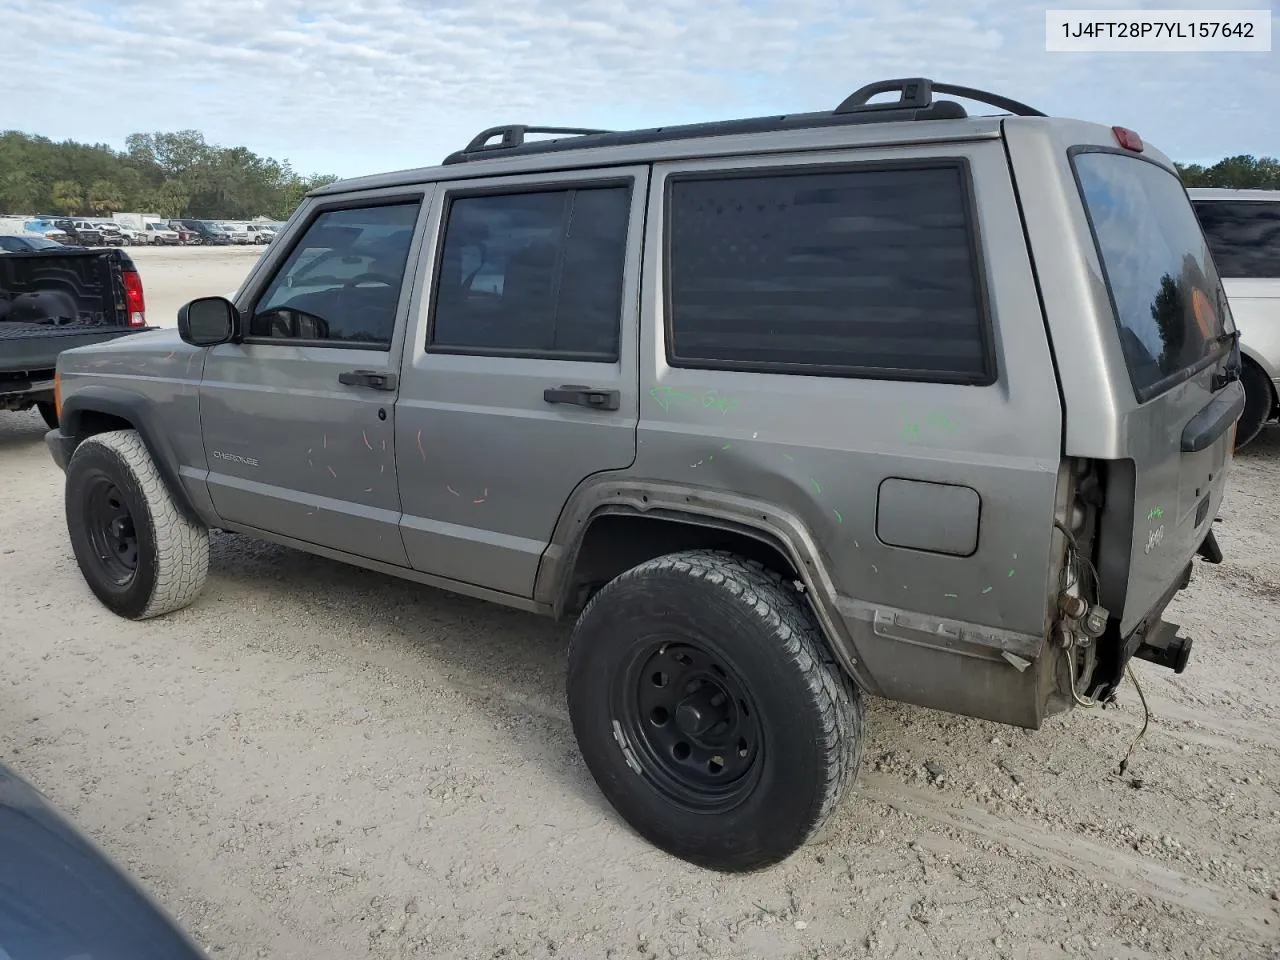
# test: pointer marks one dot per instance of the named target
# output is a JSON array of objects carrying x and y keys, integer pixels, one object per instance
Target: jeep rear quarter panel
[{"x": 960, "y": 478}]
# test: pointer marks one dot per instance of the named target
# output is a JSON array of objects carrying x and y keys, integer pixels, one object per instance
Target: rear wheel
[
  {"x": 1259, "y": 401},
  {"x": 709, "y": 710},
  {"x": 137, "y": 552}
]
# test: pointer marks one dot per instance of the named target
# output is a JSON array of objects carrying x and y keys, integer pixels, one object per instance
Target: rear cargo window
[
  {"x": 1244, "y": 236},
  {"x": 1157, "y": 266}
]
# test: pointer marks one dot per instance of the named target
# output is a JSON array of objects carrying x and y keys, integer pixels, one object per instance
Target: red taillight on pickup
[{"x": 133, "y": 298}]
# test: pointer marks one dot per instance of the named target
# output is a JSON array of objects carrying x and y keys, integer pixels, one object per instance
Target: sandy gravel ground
[{"x": 319, "y": 762}]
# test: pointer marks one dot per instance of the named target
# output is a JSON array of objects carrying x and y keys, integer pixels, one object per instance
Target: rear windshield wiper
[{"x": 1231, "y": 372}]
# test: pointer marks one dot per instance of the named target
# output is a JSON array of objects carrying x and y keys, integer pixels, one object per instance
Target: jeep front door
[{"x": 298, "y": 420}]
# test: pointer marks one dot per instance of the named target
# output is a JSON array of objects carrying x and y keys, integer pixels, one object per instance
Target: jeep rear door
[
  {"x": 1171, "y": 318},
  {"x": 520, "y": 376},
  {"x": 1137, "y": 317}
]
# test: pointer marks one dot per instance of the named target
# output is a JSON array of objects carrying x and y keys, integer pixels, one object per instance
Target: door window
[
  {"x": 534, "y": 274},
  {"x": 340, "y": 284}
]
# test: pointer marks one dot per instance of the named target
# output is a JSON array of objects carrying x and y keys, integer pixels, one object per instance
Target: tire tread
[
  {"x": 785, "y": 614},
  {"x": 182, "y": 546}
]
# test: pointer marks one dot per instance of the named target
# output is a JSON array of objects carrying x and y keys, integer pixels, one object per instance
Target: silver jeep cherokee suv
[{"x": 782, "y": 412}]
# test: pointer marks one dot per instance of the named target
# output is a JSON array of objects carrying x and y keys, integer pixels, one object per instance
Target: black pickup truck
[{"x": 56, "y": 299}]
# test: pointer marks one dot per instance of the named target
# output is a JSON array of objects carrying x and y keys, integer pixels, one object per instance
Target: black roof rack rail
[
  {"x": 917, "y": 93},
  {"x": 513, "y": 135},
  {"x": 915, "y": 102}
]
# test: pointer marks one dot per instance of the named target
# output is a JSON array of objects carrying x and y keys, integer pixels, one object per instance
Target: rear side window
[
  {"x": 867, "y": 272},
  {"x": 1157, "y": 266},
  {"x": 533, "y": 274},
  {"x": 1244, "y": 236}
]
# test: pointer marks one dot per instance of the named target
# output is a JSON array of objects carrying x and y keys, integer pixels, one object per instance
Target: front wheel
[
  {"x": 49, "y": 412},
  {"x": 709, "y": 710},
  {"x": 137, "y": 552}
]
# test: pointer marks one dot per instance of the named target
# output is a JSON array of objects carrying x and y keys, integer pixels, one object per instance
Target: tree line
[
  {"x": 179, "y": 174},
  {"x": 174, "y": 174},
  {"x": 1241, "y": 172}
]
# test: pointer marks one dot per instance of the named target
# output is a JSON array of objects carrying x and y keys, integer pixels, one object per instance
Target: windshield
[{"x": 1164, "y": 287}]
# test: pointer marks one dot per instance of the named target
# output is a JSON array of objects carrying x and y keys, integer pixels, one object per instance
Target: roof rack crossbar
[
  {"x": 917, "y": 93},
  {"x": 513, "y": 135}
]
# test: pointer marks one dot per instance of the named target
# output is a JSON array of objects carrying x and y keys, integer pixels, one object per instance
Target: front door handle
[
  {"x": 375, "y": 379},
  {"x": 583, "y": 396}
]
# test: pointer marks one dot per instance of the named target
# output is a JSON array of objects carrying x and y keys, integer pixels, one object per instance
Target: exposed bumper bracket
[{"x": 1163, "y": 647}]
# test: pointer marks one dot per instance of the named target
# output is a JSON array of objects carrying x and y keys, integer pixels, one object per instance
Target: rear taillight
[
  {"x": 57, "y": 394},
  {"x": 133, "y": 299}
]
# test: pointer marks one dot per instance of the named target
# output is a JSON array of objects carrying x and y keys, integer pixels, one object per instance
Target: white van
[{"x": 1243, "y": 229}]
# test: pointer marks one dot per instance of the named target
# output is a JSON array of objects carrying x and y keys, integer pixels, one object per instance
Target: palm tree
[
  {"x": 105, "y": 198},
  {"x": 66, "y": 196}
]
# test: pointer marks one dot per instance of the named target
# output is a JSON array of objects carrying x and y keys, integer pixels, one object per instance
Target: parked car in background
[
  {"x": 130, "y": 235},
  {"x": 1243, "y": 229},
  {"x": 136, "y": 221},
  {"x": 238, "y": 232},
  {"x": 186, "y": 236},
  {"x": 34, "y": 227},
  {"x": 30, "y": 242},
  {"x": 61, "y": 896},
  {"x": 161, "y": 234},
  {"x": 81, "y": 231},
  {"x": 205, "y": 231},
  {"x": 53, "y": 300},
  {"x": 112, "y": 235},
  {"x": 260, "y": 233}
]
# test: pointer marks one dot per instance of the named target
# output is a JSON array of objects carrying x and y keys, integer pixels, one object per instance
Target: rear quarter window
[
  {"x": 1159, "y": 273},
  {"x": 867, "y": 271}
]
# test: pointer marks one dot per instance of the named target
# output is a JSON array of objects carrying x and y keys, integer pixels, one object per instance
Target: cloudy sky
[{"x": 357, "y": 86}]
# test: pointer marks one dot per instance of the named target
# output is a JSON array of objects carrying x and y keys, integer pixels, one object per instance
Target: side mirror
[{"x": 209, "y": 321}]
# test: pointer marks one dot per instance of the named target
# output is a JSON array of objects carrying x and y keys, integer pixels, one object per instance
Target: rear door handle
[
  {"x": 576, "y": 393},
  {"x": 374, "y": 379}
]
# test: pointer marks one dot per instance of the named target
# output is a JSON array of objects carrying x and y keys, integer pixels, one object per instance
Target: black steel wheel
[
  {"x": 110, "y": 527},
  {"x": 709, "y": 709},
  {"x": 692, "y": 723}
]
